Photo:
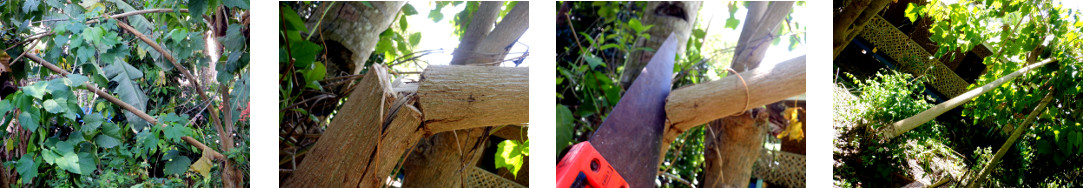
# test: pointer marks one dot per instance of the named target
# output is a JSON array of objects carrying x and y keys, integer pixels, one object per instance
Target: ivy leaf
[
  {"x": 510, "y": 155},
  {"x": 912, "y": 12},
  {"x": 27, "y": 168},
  {"x": 37, "y": 90},
  {"x": 565, "y": 127},
  {"x": 87, "y": 163},
  {"x": 594, "y": 61},
  {"x": 435, "y": 15},
  {"x": 175, "y": 132},
  {"x": 77, "y": 80},
  {"x": 314, "y": 74},
  {"x": 178, "y": 165},
  {"x": 293, "y": 21},
  {"x": 49, "y": 156},
  {"x": 68, "y": 160},
  {"x": 52, "y": 106},
  {"x": 234, "y": 39},
  {"x": 93, "y": 35},
  {"x": 732, "y": 23}
]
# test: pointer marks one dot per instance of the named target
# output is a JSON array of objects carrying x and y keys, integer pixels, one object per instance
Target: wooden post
[
  {"x": 461, "y": 97},
  {"x": 900, "y": 127}
]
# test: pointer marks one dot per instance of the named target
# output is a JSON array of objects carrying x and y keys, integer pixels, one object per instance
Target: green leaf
[
  {"x": 196, "y": 8},
  {"x": 415, "y": 38},
  {"x": 304, "y": 53},
  {"x": 732, "y": 23},
  {"x": 293, "y": 21},
  {"x": 91, "y": 123},
  {"x": 234, "y": 39},
  {"x": 29, "y": 119},
  {"x": 367, "y": 4},
  {"x": 106, "y": 141},
  {"x": 87, "y": 163},
  {"x": 435, "y": 15},
  {"x": 510, "y": 155},
  {"x": 52, "y": 106},
  {"x": 27, "y": 168},
  {"x": 409, "y": 10},
  {"x": 37, "y": 90},
  {"x": 243, "y": 4},
  {"x": 30, "y": 5},
  {"x": 68, "y": 160},
  {"x": 93, "y": 35},
  {"x": 178, "y": 165},
  {"x": 912, "y": 12},
  {"x": 175, "y": 132},
  {"x": 76, "y": 80},
  {"x": 594, "y": 61},
  {"x": 314, "y": 74},
  {"x": 565, "y": 127},
  {"x": 128, "y": 90}
]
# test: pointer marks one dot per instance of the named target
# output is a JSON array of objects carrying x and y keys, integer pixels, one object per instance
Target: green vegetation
[{"x": 58, "y": 133}]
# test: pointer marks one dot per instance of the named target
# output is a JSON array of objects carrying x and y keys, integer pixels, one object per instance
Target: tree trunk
[
  {"x": 666, "y": 17},
  {"x": 731, "y": 148},
  {"x": 356, "y": 27},
  {"x": 442, "y": 160}
]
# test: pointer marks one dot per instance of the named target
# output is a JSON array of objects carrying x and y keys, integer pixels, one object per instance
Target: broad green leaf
[
  {"x": 178, "y": 165},
  {"x": 732, "y": 23},
  {"x": 27, "y": 168},
  {"x": 87, "y": 163},
  {"x": 409, "y": 10},
  {"x": 314, "y": 74},
  {"x": 49, "y": 156},
  {"x": 106, "y": 141},
  {"x": 175, "y": 132},
  {"x": 435, "y": 15},
  {"x": 305, "y": 52},
  {"x": 29, "y": 120},
  {"x": 510, "y": 154},
  {"x": 234, "y": 39},
  {"x": 68, "y": 160},
  {"x": 565, "y": 127},
  {"x": 93, "y": 35},
  {"x": 243, "y": 4},
  {"x": 293, "y": 20},
  {"x": 30, "y": 5},
  {"x": 196, "y": 8},
  {"x": 128, "y": 90},
  {"x": 52, "y": 106},
  {"x": 415, "y": 38},
  {"x": 912, "y": 12},
  {"x": 37, "y": 90}
]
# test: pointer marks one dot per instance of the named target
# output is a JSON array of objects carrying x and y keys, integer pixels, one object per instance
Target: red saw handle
[{"x": 585, "y": 167}]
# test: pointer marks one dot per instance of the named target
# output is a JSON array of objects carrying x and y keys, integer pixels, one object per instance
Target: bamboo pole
[
  {"x": 900, "y": 127},
  {"x": 974, "y": 182}
]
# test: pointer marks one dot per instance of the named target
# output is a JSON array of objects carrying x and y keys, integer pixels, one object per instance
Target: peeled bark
[
  {"x": 732, "y": 149},
  {"x": 461, "y": 97},
  {"x": 698, "y": 104}
]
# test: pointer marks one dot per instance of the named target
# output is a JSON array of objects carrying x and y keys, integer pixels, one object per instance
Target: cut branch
[
  {"x": 900, "y": 127},
  {"x": 698, "y": 104},
  {"x": 976, "y": 181},
  {"x": 462, "y": 97}
]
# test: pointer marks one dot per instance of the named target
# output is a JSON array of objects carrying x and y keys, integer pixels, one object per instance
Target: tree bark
[
  {"x": 762, "y": 21},
  {"x": 666, "y": 17},
  {"x": 461, "y": 97},
  {"x": 480, "y": 46},
  {"x": 902, "y": 126},
  {"x": 443, "y": 159},
  {"x": 482, "y": 21},
  {"x": 341, "y": 155},
  {"x": 357, "y": 27},
  {"x": 731, "y": 151}
]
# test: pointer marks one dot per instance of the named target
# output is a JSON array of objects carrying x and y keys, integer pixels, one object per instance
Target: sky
[
  {"x": 438, "y": 35},
  {"x": 719, "y": 37}
]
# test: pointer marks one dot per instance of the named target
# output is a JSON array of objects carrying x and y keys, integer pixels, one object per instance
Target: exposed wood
[
  {"x": 730, "y": 152},
  {"x": 698, "y": 104},
  {"x": 976, "y": 181},
  {"x": 479, "y": 28},
  {"x": 900, "y": 127},
  {"x": 343, "y": 152},
  {"x": 401, "y": 134},
  {"x": 461, "y": 97}
]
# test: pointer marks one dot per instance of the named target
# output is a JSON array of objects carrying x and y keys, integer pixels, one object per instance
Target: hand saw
[{"x": 626, "y": 146}]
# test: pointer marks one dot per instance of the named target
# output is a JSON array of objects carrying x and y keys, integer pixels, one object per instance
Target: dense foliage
[{"x": 57, "y": 133}]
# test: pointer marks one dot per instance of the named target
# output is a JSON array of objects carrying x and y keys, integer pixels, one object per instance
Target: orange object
[{"x": 585, "y": 167}]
